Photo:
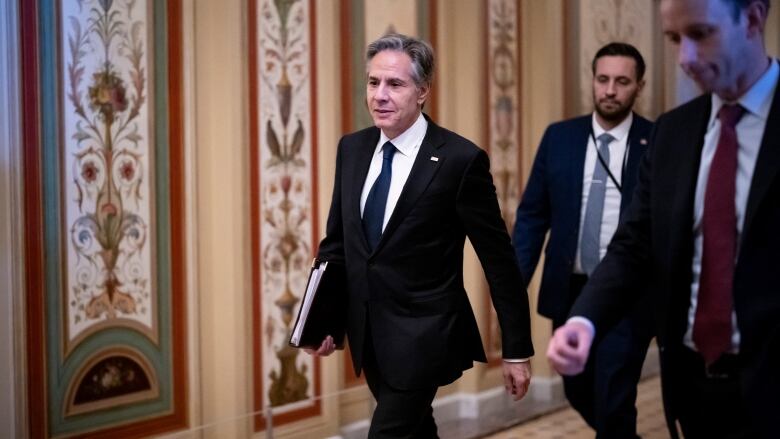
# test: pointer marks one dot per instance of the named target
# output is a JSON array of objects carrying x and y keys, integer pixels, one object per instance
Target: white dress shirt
[
  {"x": 407, "y": 145},
  {"x": 612, "y": 197},
  {"x": 750, "y": 130}
]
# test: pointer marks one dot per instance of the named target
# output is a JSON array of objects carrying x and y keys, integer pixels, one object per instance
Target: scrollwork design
[{"x": 108, "y": 233}]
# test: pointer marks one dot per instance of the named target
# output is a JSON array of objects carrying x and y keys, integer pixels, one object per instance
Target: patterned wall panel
[
  {"x": 502, "y": 65},
  {"x": 106, "y": 325},
  {"x": 598, "y": 22},
  {"x": 284, "y": 211}
]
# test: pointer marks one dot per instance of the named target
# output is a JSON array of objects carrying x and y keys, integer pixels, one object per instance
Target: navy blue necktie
[{"x": 374, "y": 210}]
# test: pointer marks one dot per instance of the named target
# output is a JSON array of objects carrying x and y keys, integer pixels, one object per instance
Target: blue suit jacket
[{"x": 552, "y": 201}]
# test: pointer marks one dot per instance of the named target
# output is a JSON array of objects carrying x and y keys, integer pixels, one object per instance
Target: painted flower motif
[
  {"x": 107, "y": 95},
  {"x": 109, "y": 209},
  {"x": 286, "y": 183},
  {"x": 89, "y": 172},
  {"x": 127, "y": 170}
]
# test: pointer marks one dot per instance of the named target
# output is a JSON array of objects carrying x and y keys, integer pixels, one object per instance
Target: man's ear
[
  {"x": 640, "y": 85},
  {"x": 422, "y": 93},
  {"x": 756, "y": 14}
]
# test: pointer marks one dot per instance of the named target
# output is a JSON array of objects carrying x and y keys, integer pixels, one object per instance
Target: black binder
[{"x": 323, "y": 309}]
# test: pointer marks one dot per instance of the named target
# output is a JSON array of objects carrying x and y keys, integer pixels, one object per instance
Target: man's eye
[{"x": 699, "y": 34}]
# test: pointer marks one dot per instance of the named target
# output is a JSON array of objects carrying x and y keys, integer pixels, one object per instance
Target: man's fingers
[
  {"x": 326, "y": 348},
  {"x": 567, "y": 351}
]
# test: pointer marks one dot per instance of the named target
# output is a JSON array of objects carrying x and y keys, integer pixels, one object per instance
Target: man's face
[
  {"x": 615, "y": 87},
  {"x": 393, "y": 98},
  {"x": 711, "y": 43}
]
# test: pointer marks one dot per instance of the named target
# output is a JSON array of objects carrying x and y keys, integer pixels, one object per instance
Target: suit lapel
[
  {"x": 364, "y": 151},
  {"x": 420, "y": 176},
  {"x": 579, "y": 142},
  {"x": 636, "y": 148},
  {"x": 767, "y": 163},
  {"x": 685, "y": 154}
]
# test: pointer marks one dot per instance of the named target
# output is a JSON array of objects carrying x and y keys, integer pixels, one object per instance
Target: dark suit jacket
[
  {"x": 410, "y": 288},
  {"x": 654, "y": 245},
  {"x": 552, "y": 201}
]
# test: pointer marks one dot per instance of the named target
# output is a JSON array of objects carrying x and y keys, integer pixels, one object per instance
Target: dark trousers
[
  {"x": 708, "y": 402},
  {"x": 399, "y": 413},
  {"x": 604, "y": 394}
]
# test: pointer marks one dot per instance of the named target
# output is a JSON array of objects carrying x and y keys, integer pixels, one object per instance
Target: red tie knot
[{"x": 730, "y": 114}]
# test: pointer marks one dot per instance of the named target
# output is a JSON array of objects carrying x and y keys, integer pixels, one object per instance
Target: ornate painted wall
[
  {"x": 503, "y": 86},
  {"x": 283, "y": 193},
  {"x": 106, "y": 322}
]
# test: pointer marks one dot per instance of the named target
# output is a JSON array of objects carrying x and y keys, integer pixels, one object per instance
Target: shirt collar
[
  {"x": 758, "y": 99},
  {"x": 407, "y": 141},
  {"x": 620, "y": 132}
]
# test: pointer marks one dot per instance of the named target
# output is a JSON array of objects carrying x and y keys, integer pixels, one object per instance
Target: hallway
[{"x": 566, "y": 423}]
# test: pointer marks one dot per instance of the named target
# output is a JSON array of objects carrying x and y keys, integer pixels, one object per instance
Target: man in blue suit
[{"x": 581, "y": 182}]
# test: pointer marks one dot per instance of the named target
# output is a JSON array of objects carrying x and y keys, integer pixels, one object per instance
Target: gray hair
[{"x": 418, "y": 50}]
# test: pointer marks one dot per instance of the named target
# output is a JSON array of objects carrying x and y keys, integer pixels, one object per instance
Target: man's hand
[
  {"x": 517, "y": 377},
  {"x": 569, "y": 348},
  {"x": 326, "y": 348}
]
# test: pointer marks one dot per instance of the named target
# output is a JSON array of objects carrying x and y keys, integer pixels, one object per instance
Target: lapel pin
[
  {"x": 434, "y": 159},
  {"x": 643, "y": 141}
]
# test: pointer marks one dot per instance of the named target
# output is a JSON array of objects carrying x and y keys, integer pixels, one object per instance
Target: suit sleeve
[
  {"x": 332, "y": 246},
  {"x": 532, "y": 219},
  {"x": 478, "y": 210},
  {"x": 619, "y": 281}
]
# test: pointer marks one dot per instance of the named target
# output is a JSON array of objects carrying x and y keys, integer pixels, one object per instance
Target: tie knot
[
  {"x": 729, "y": 114},
  {"x": 605, "y": 139},
  {"x": 388, "y": 149}
]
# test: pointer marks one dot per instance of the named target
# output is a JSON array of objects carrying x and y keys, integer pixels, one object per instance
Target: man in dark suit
[
  {"x": 581, "y": 182},
  {"x": 406, "y": 195},
  {"x": 702, "y": 232}
]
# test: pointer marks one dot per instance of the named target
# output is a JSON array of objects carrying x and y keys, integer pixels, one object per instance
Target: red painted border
[
  {"x": 33, "y": 220},
  {"x": 254, "y": 215},
  {"x": 493, "y": 360},
  {"x": 254, "y": 184},
  {"x": 34, "y": 256}
]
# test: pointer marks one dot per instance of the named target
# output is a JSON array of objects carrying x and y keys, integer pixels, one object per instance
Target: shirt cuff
[
  {"x": 585, "y": 322},
  {"x": 517, "y": 360}
]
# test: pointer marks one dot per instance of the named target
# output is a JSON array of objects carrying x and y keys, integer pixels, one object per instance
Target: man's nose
[
  {"x": 611, "y": 89},
  {"x": 381, "y": 92},
  {"x": 686, "y": 53}
]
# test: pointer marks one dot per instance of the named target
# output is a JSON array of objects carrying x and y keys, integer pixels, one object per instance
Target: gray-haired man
[{"x": 406, "y": 195}]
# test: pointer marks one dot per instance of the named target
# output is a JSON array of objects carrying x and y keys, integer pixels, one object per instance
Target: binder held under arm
[{"x": 323, "y": 308}]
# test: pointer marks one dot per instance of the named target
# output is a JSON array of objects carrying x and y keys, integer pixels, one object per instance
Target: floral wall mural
[
  {"x": 284, "y": 206},
  {"x": 106, "y": 298},
  {"x": 107, "y": 196}
]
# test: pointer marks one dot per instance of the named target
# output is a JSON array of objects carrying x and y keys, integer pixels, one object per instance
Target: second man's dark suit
[
  {"x": 552, "y": 202},
  {"x": 408, "y": 292},
  {"x": 654, "y": 245}
]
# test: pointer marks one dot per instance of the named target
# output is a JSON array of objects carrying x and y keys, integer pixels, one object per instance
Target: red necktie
[{"x": 712, "y": 323}]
